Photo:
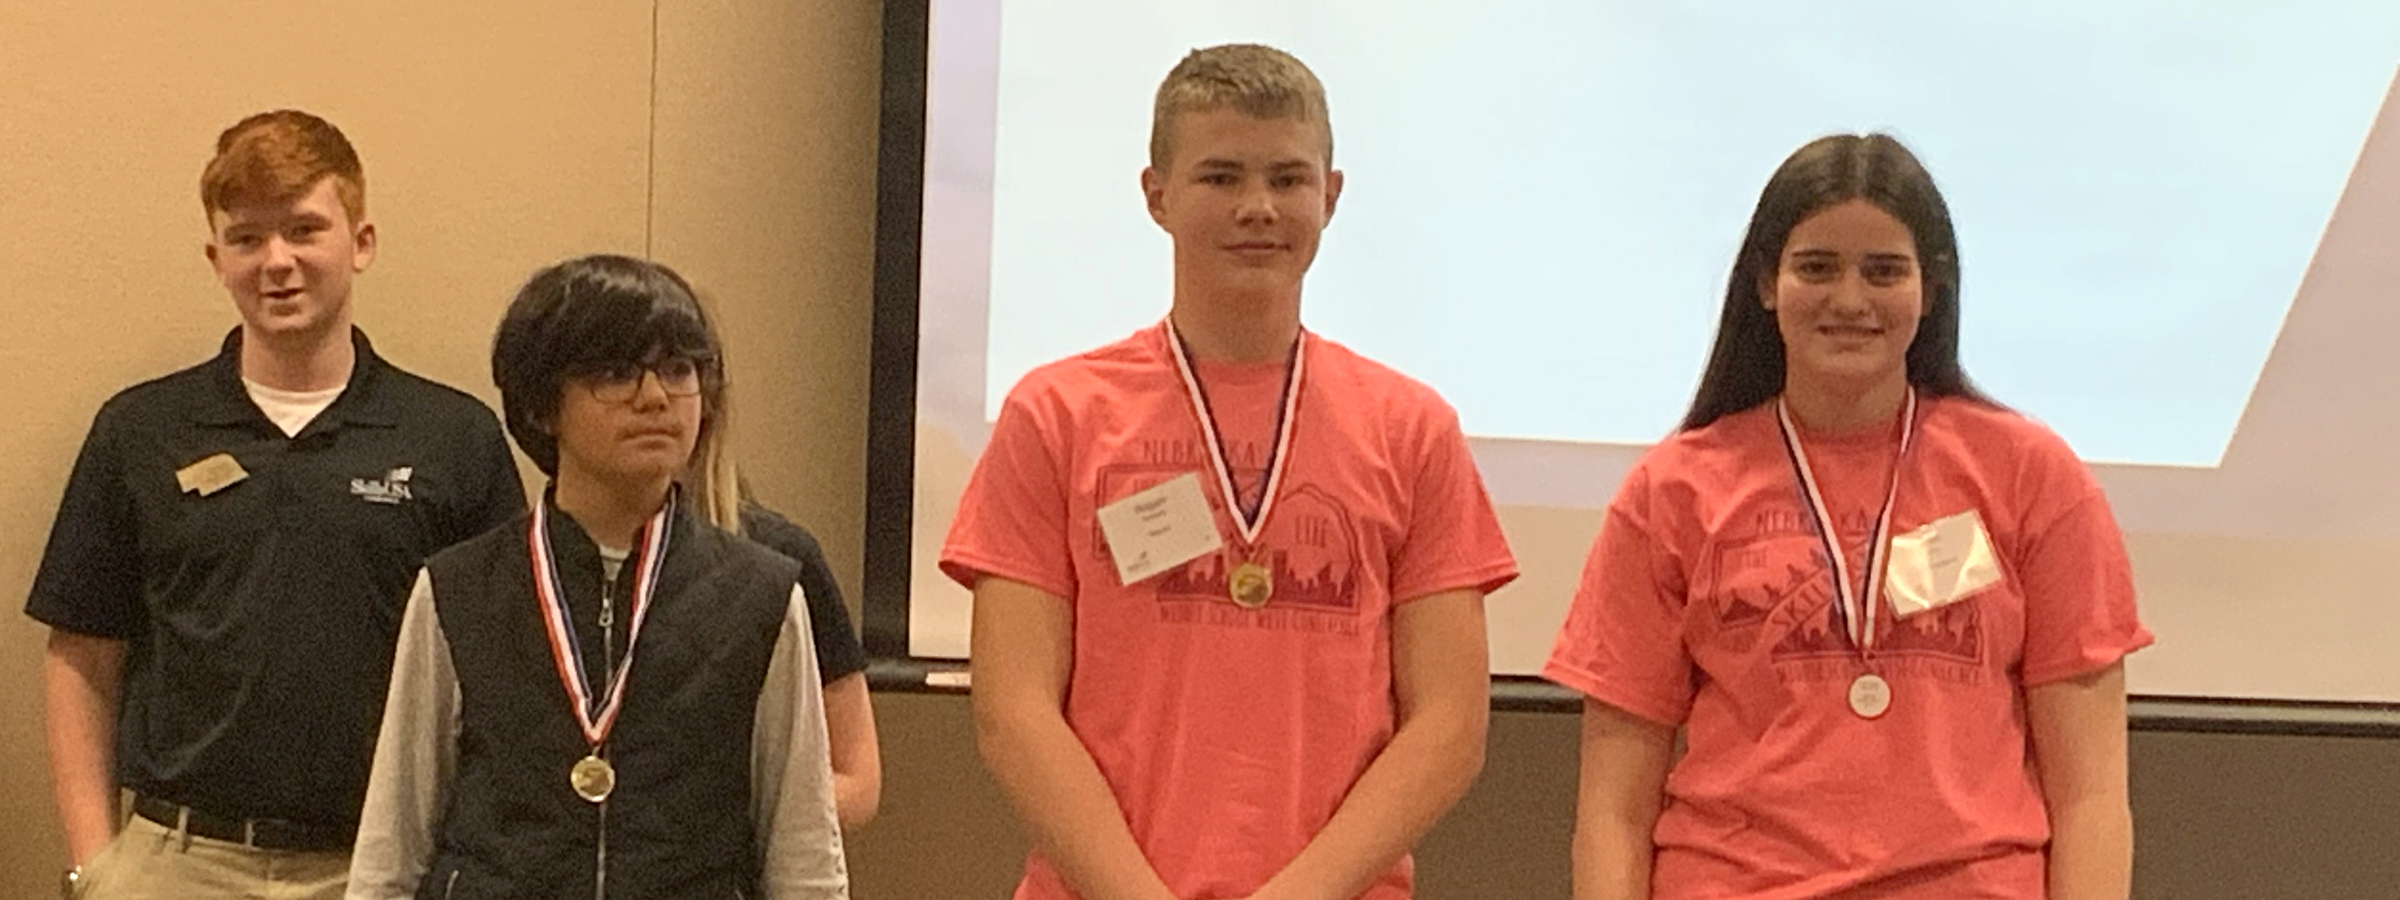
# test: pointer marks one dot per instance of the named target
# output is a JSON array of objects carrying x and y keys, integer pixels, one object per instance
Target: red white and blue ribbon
[{"x": 597, "y": 715}]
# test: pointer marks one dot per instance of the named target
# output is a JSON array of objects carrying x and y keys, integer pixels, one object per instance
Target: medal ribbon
[
  {"x": 596, "y": 715},
  {"x": 1858, "y": 607},
  {"x": 1248, "y": 521}
]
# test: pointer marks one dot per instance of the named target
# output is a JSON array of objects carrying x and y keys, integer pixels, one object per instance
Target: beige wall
[
  {"x": 501, "y": 136},
  {"x": 766, "y": 197}
]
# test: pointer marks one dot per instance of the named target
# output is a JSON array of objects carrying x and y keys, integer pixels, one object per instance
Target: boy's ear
[
  {"x": 209, "y": 249},
  {"x": 1333, "y": 191},
  {"x": 363, "y": 239},
  {"x": 1154, "y": 194}
]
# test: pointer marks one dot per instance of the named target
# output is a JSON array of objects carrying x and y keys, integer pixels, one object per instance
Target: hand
[{"x": 1268, "y": 891}]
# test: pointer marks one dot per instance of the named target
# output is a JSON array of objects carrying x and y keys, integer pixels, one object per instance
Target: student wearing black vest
[{"x": 610, "y": 698}]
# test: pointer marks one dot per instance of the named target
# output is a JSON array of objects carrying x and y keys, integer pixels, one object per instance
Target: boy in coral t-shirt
[{"x": 1228, "y": 574}]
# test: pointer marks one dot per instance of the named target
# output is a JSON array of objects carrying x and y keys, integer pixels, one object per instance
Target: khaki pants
[{"x": 149, "y": 861}]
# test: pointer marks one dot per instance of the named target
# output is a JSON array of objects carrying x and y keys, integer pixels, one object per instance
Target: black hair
[
  {"x": 590, "y": 315},
  {"x": 1745, "y": 368}
]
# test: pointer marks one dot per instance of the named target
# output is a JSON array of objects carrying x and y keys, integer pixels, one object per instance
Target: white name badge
[
  {"x": 1947, "y": 560},
  {"x": 1160, "y": 528}
]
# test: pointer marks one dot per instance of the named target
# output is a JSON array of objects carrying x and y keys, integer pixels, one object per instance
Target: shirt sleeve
[
  {"x": 839, "y": 654},
  {"x": 1012, "y": 520},
  {"x": 799, "y": 838},
  {"x": 2076, "y": 578},
  {"x": 1453, "y": 539},
  {"x": 416, "y": 757},
  {"x": 1623, "y": 641},
  {"x": 90, "y": 580}
]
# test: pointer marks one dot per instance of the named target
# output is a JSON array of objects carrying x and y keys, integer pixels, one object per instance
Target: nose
[
  {"x": 650, "y": 392},
  {"x": 277, "y": 254},
  {"x": 1256, "y": 206},
  {"x": 1849, "y": 295}
]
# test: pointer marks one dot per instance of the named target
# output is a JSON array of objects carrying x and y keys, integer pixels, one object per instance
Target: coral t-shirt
[
  {"x": 1229, "y": 736},
  {"x": 1707, "y": 602}
]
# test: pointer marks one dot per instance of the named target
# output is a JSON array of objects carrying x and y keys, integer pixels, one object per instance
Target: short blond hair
[{"x": 1253, "y": 79}]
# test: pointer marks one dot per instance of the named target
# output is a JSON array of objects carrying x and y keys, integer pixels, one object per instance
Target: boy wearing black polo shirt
[{"x": 225, "y": 577}]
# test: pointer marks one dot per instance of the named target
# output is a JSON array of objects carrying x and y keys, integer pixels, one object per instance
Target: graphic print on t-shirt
[
  {"x": 1776, "y": 585},
  {"x": 1310, "y": 545}
]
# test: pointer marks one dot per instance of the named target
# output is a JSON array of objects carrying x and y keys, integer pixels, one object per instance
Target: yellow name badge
[{"x": 210, "y": 475}]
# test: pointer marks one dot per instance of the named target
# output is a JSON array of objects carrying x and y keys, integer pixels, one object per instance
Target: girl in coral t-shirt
[{"x": 1888, "y": 614}]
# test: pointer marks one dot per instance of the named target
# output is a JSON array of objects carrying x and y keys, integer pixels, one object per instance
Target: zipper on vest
[
  {"x": 600, "y": 858},
  {"x": 608, "y": 627},
  {"x": 608, "y": 657},
  {"x": 450, "y": 888}
]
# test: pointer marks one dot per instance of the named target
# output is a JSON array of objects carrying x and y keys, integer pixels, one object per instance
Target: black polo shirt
[
  {"x": 838, "y": 651},
  {"x": 260, "y": 618}
]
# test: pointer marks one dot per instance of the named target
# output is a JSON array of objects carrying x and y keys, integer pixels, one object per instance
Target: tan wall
[{"x": 501, "y": 136}]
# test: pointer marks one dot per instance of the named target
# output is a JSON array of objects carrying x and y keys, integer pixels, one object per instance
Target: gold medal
[
  {"x": 1250, "y": 585},
  {"x": 593, "y": 778}
]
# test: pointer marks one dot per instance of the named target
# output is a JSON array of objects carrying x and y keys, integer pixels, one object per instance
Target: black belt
[{"x": 263, "y": 834}]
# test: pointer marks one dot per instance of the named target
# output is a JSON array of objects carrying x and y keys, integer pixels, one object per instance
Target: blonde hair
[
  {"x": 713, "y": 484},
  {"x": 1253, "y": 79}
]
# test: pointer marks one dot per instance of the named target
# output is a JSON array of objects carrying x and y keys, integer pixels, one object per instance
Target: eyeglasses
[{"x": 678, "y": 376}]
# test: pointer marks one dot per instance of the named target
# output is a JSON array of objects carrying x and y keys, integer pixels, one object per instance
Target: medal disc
[
  {"x": 1870, "y": 696},
  {"x": 1250, "y": 585},
  {"x": 593, "y": 778}
]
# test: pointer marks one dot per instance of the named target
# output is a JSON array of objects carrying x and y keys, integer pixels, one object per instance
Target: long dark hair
[{"x": 1745, "y": 368}]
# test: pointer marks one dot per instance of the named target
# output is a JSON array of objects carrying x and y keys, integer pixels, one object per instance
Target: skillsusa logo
[{"x": 392, "y": 488}]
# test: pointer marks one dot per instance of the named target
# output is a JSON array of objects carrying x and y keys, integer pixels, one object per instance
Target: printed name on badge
[{"x": 1160, "y": 528}]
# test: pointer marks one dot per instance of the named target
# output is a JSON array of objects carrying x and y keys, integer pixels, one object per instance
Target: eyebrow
[
  {"x": 1219, "y": 164},
  {"x": 235, "y": 223},
  {"x": 1816, "y": 253}
]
